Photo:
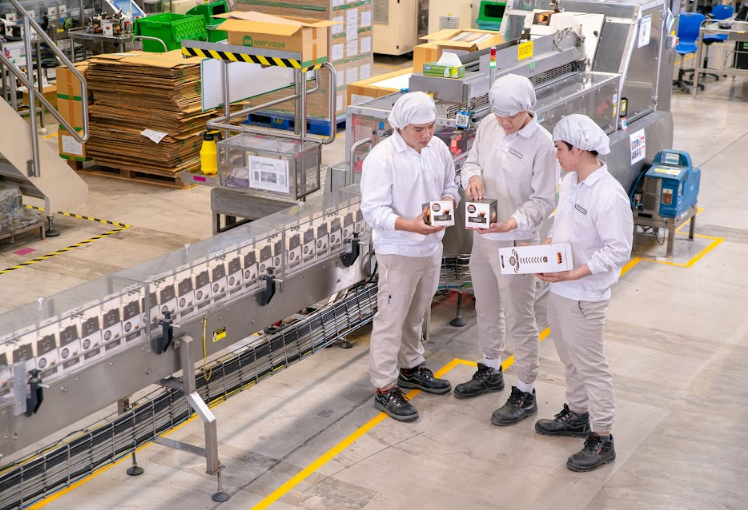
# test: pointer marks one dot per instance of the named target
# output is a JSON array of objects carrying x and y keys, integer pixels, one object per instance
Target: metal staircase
[{"x": 24, "y": 158}]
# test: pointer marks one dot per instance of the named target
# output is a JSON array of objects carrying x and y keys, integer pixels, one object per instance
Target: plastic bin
[
  {"x": 216, "y": 35},
  {"x": 207, "y": 11},
  {"x": 490, "y": 15},
  {"x": 172, "y": 29}
]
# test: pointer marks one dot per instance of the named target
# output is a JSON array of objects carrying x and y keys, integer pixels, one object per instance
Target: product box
[
  {"x": 480, "y": 213},
  {"x": 6, "y": 374},
  {"x": 348, "y": 224},
  {"x": 219, "y": 281},
  {"x": 234, "y": 266},
  {"x": 111, "y": 310},
  {"x": 70, "y": 342},
  {"x": 293, "y": 250},
  {"x": 277, "y": 253},
  {"x": 149, "y": 310},
  {"x": 443, "y": 70},
  {"x": 309, "y": 244},
  {"x": 185, "y": 292},
  {"x": 91, "y": 337},
  {"x": 133, "y": 323},
  {"x": 440, "y": 213},
  {"x": 266, "y": 255},
  {"x": 323, "y": 235},
  {"x": 545, "y": 258},
  {"x": 283, "y": 33},
  {"x": 47, "y": 353},
  {"x": 167, "y": 296},
  {"x": 69, "y": 147},
  {"x": 23, "y": 348},
  {"x": 336, "y": 233},
  {"x": 251, "y": 267}
]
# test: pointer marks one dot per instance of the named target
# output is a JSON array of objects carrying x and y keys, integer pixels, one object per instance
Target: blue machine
[{"x": 669, "y": 187}]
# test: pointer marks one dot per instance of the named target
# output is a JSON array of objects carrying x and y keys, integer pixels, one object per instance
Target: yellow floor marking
[
  {"x": 716, "y": 241},
  {"x": 49, "y": 136}
]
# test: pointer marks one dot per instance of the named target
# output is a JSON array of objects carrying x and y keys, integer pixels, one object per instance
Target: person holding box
[
  {"x": 400, "y": 174},
  {"x": 512, "y": 160},
  {"x": 594, "y": 216}
]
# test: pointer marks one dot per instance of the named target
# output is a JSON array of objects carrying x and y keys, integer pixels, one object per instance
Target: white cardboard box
[
  {"x": 546, "y": 258},
  {"x": 481, "y": 213},
  {"x": 440, "y": 213}
]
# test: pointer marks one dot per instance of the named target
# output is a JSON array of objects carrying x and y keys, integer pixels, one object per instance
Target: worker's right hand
[
  {"x": 475, "y": 189},
  {"x": 419, "y": 226}
]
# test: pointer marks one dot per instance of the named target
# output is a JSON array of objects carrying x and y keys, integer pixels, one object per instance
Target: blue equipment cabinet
[{"x": 670, "y": 186}]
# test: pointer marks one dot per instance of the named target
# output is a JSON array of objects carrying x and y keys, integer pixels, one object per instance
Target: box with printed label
[
  {"x": 480, "y": 213},
  {"x": 440, "y": 213},
  {"x": 546, "y": 258},
  {"x": 234, "y": 268},
  {"x": 69, "y": 147},
  {"x": 47, "y": 353},
  {"x": 111, "y": 309},
  {"x": 6, "y": 374}
]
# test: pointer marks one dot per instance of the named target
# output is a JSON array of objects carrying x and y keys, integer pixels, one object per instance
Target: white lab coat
[
  {"x": 519, "y": 170},
  {"x": 397, "y": 181},
  {"x": 594, "y": 216}
]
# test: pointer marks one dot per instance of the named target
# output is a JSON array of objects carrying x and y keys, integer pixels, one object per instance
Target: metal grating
[
  {"x": 38, "y": 476},
  {"x": 555, "y": 73},
  {"x": 381, "y": 10}
]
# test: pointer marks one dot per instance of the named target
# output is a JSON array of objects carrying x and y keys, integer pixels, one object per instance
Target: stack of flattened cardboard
[
  {"x": 135, "y": 92},
  {"x": 350, "y": 48}
]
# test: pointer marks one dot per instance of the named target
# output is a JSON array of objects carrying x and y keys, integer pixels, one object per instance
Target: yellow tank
[{"x": 208, "y": 152}]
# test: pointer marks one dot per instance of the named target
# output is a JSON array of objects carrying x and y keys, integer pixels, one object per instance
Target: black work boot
[
  {"x": 485, "y": 380},
  {"x": 394, "y": 403},
  {"x": 566, "y": 423},
  {"x": 519, "y": 406},
  {"x": 598, "y": 450},
  {"x": 421, "y": 378}
]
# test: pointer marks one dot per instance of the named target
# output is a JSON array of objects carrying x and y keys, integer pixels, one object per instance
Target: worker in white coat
[
  {"x": 400, "y": 175},
  {"x": 594, "y": 216},
  {"x": 512, "y": 160}
]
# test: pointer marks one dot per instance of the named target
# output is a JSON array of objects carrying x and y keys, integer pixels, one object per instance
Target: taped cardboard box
[
  {"x": 371, "y": 88},
  {"x": 464, "y": 40},
  {"x": 70, "y": 148},
  {"x": 306, "y": 36},
  {"x": 68, "y": 86},
  {"x": 50, "y": 94}
]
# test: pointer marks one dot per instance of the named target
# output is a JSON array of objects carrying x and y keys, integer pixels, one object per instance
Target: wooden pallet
[{"x": 167, "y": 179}]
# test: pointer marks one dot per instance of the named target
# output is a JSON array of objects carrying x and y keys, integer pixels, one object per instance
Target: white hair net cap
[
  {"x": 511, "y": 94},
  {"x": 412, "y": 108},
  {"x": 582, "y": 132}
]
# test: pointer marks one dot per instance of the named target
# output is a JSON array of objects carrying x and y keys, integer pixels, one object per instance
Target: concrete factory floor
[{"x": 677, "y": 342}]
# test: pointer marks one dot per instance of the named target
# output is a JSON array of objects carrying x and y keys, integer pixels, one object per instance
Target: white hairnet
[
  {"x": 511, "y": 94},
  {"x": 412, "y": 108},
  {"x": 582, "y": 132}
]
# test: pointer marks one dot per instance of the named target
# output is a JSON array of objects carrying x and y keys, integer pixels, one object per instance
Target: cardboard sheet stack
[
  {"x": 135, "y": 92},
  {"x": 350, "y": 48}
]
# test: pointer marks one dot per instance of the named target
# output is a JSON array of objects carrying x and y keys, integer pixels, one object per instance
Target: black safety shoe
[
  {"x": 421, "y": 378},
  {"x": 519, "y": 406},
  {"x": 598, "y": 450},
  {"x": 566, "y": 423},
  {"x": 395, "y": 404},
  {"x": 485, "y": 380}
]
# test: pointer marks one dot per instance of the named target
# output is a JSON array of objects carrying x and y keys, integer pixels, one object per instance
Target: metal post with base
[{"x": 188, "y": 386}]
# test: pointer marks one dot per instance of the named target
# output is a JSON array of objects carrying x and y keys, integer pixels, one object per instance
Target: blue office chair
[
  {"x": 688, "y": 32},
  {"x": 719, "y": 12}
]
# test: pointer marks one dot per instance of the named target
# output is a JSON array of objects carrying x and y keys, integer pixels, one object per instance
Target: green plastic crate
[
  {"x": 172, "y": 29},
  {"x": 216, "y": 35},
  {"x": 207, "y": 11}
]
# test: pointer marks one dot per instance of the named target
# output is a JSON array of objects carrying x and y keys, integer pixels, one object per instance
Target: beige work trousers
[
  {"x": 406, "y": 287},
  {"x": 514, "y": 295},
  {"x": 578, "y": 328}
]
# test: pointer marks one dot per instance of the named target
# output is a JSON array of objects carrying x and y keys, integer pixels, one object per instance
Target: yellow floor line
[
  {"x": 49, "y": 136},
  {"x": 716, "y": 241}
]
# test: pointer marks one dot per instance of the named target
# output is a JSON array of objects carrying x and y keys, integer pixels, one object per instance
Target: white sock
[
  {"x": 494, "y": 363},
  {"x": 525, "y": 387}
]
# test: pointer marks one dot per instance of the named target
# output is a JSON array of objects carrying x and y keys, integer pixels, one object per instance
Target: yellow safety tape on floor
[{"x": 120, "y": 228}]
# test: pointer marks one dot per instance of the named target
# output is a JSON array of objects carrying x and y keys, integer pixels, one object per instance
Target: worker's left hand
[
  {"x": 499, "y": 228},
  {"x": 563, "y": 276}
]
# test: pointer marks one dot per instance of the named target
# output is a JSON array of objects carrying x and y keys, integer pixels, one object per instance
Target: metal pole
[
  {"x": 226, "y": 100},
  {"x": 41, "y": 84},
  {"x": 5, "y": 82},
  {"x": 33, "y": 164},
  {"x": 298, "y": 103},
  {"x": 13, "y": 90}
]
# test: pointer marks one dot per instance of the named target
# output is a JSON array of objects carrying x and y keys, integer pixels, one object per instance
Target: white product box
[
  {"x": 111, "y": 310},
  {"x": 348, "y": 224},
  {"x": 203, "y": 290},
  {"x": 360, "y": 225},
  {"x": 481, "y": 213},
  {"x": 149, "y": 310},
  {"x": 266, "y": 256},
  {"x": 219, "y": 282},
  {"x": 309, "y": 242},
  {"x": 6, "y": 374},
  {"x": 23, "y": 350},
  {"x": 234, "y": 267},
  {"x": 167, "y": 295},
  {"x": 440, "y": 213},
  {"x": 185, "y": 292},
  {"x": 277, "y": 253},
  {"x": 70, "y": 342},
  {"x": 323, "y": 235},
  {"x": 336, "y": 233},
  {"x": 546, "y": 258},
  {"x": 293, "y": 250},
  {"x": 47, "y": 352},
  {"x": 133, "y": 321},
  {"x": 91, "y": 337},
  {"x": 251, "y": 267}
]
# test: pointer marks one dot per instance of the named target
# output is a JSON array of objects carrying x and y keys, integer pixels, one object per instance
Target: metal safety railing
[{"x": 33, "y": 169}]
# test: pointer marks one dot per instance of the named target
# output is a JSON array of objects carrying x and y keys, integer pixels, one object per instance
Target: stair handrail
[{"x": 28, "y": 81}]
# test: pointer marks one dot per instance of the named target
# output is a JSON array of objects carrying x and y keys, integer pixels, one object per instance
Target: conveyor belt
[{"x": 39, "y": 475}]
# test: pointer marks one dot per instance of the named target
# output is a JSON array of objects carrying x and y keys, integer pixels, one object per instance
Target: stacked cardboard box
[
  {"x": 459, "y": 40},
  {"x": 70, "y": 106},
  {"x": 159, "y": 92},
  {"x": 378, "y": 86},
  {"x": 350, "y": 48}
]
